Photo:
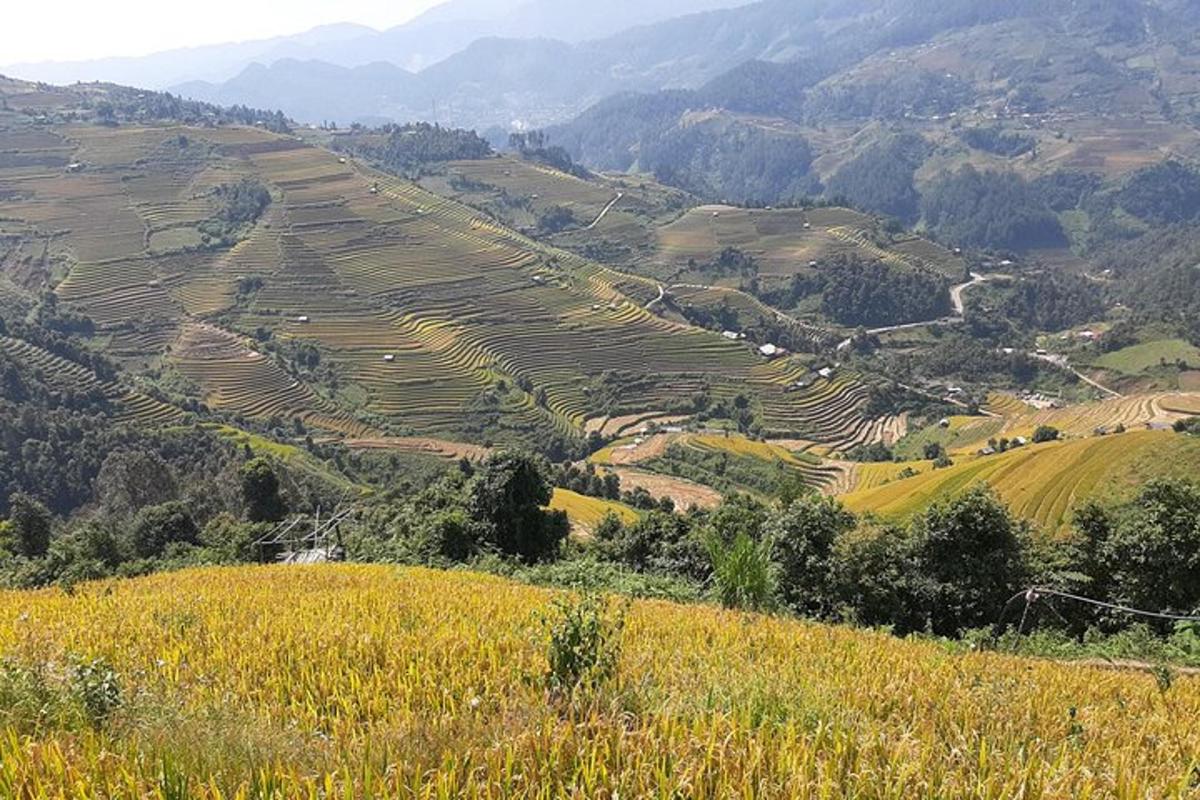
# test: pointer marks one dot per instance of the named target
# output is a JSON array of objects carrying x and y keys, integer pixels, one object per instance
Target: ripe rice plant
[{"x": 371, "y": 681}]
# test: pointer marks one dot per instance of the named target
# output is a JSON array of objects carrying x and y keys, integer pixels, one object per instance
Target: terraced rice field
[
  {"x": 128, "y": 405},
  {"x": 1134, "y": 411},
  {"x": 429, "y": 316},
  {"x": 585, "y": 512},
  {"x": 782, "y": 244},
  {"x": 812, "y": 470},
  {"x": 1043, "y": 483},
  {"x": 828, "y": 412},
  {"x": 371, "y": 681}
]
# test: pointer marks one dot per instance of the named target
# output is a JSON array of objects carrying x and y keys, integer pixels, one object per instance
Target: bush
[
  {"x": 584, "y": 644},
  {"x": 28, "y": 529},
  {"x": 1190, "y": 425},
  {"x": 507, "y": 498},
  {"x": 802, "y": 537},
  {"x": 156, "y": 527},
  {"x": 878, "y": 579}
]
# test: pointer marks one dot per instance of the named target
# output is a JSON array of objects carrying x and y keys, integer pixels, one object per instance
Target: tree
[
  {"x": 975, "y": 557},
  {"x": 877, "y": 578},
  {"x": 29, "y": 525},
  {"x": 802, "y": 537},
  {"x": 1045, "y": 433},
  {"x": 156, "y": 527},
  {"x": 1152, "y": 548},
  {"x": 133, "y": 479},
  {"x": 507, "y": 497},
  {"x": 260, "y": 491}
]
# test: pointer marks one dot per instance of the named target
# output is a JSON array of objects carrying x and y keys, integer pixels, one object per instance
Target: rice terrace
[{"x": 682, "y": 398}]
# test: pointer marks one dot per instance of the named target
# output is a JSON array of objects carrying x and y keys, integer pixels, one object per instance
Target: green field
[{"x": 1141, "y": 357}]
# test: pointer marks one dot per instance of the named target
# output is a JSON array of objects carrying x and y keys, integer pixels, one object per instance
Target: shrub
[
  {"x": 1190, "y": 425},
  {"x": 802, "y": 537},
  {"x": 584, "y": 643},
  {"x": 507, "y": 497},
  {"x": 975, "y": 557}
]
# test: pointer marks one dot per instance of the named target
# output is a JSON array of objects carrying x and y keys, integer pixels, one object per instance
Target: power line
[{"x": 1114, "y": 606}]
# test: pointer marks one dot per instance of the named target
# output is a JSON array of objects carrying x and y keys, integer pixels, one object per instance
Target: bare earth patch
[{"x": 683, "y": 493}]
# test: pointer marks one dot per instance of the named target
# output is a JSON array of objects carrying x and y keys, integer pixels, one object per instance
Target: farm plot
[
  {"x": 1134, "y": 411},
  {"x": 484, "y": 298},
  {"x": 234, "y": 378},
  {"x": 374, "y": 681},
  {"x": 128, "y": 405},
  {"x": 585, "y": 512},
  {"x": 786, "y": 241},
  {"x": 1043, "y": 483},
  {"x": 429, "y": 317}
]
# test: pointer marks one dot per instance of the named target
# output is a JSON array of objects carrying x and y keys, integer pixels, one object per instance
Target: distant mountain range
[
  {"x": 503, "y": 82},
  {"x": 435, "y": 35}
]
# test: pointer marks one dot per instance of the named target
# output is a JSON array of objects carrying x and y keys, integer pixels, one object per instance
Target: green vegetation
[
  {"x": 401, "y": 149},
  {"x": 877, "y": 293},
  {"x": 880, "y": 178},
  {"x": 1138, "y": 358},
  {"x": 998, "y": 141},
  {"x": 989, "y": 209}
]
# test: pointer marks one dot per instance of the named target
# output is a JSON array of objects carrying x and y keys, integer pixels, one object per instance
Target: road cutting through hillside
[{"x": 605, "y": 211}]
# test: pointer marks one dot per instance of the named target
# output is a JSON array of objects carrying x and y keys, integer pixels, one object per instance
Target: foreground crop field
[{"x": 357, "y": 681}]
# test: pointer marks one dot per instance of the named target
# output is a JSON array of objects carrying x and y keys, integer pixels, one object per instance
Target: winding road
[
  {"x": 605, "y": 211},
  {"x": 956, "y": 301}
]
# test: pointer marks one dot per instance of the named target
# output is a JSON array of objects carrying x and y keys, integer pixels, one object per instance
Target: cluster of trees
[
  {"x": 1055, "y": 301},
  {"x": 535, "y": 145},
  {"x": 141, "y": 517},
  {"x": 880, "y": 178},
  {"x": 403, "y": 149},
  {"x": 1162, "y": 194},
  {"x": 122, "y": 104},
  {"x": 727, "y": 160},
  {"x": 731, "y": 261},
  {"x": 497, "y": 508},
  {"x": 952, "y": 569},
  {"x": 998, "y": 141},
  {"x": 875, "y": 294},
  {"x": 989, "y": 210},
  {"x": 239, "y": 205},
  {"x": 976, "y": 361}
]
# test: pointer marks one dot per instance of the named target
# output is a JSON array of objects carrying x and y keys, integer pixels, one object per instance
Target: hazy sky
[{"x": 69, "y": 30}]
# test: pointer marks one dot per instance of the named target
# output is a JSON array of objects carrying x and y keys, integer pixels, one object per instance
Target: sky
[{"x": 71, "y": 30}]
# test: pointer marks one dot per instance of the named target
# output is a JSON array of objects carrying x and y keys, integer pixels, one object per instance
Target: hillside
[
  {"x": 376, "y": 681},
  {"x": 1043, "y": 483},
  {"x": 348, "y": 300}
]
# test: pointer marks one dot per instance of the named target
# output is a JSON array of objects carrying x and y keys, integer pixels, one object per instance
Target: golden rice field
[
  {"x": 371, "y": 681},
  {"x": 585, "y": 512},
  {"x": 1042, "y": 483}
]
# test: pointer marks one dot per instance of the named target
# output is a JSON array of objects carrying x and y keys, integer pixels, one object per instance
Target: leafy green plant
[
  {"x": 584, "y": 643},
  {"x": 743, "y": 573}
]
